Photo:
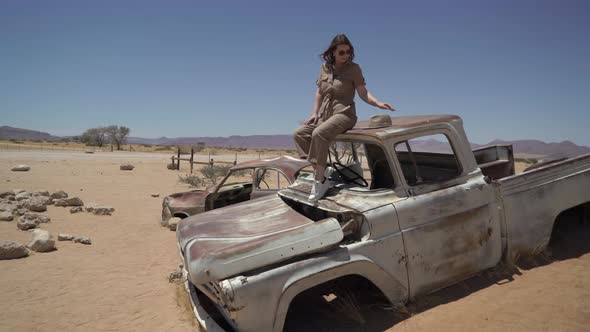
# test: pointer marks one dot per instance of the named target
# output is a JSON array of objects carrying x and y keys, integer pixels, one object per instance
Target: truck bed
[{"x": 531, "y": 202}]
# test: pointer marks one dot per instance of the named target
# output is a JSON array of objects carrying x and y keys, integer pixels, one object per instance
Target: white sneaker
[{"x": 319, "y": 189}]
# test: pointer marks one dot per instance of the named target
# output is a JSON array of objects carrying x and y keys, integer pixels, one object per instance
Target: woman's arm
[{"x": 368, "y": 98}]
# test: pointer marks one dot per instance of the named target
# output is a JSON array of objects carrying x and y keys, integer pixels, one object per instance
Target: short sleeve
[
  {"x": 357, "y": 76},
  {"x": 317, "y": 82}
]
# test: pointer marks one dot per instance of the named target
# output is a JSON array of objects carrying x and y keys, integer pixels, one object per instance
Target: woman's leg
[
  {"x": 302, "y": 138},
  {"x": 322, "y": 137}
]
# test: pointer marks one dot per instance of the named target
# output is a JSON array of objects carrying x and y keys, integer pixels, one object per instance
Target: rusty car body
[
  {"x": 418, "y": 221},
  {"x": 251, "y": 179}
]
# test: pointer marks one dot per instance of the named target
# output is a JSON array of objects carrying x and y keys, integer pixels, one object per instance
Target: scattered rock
[
  {"x": 59, "y": 202},
  {"x": 21, "y": 168},
  {"x": 6, "y": 207},
  {"x": 64, "y": 237},
  {"x": 38, "y": 218},
  {"x": 155, "y": 195},
  {"x": 126, "y": 167},
  {"x": 22, "y": 196},
  {"x": 82, "y": 239},
  {"x": 177, "y": 276},
  {"x": 37, "y": 204},
  {"x": 26, "y": 224},
  {"x": 74, "y": 201},
  {"x": 12, "y": 249},
  {"x": 41, "y": 241},
  {"x": 173, "y": 222},
  {"x": 59, "y": 194},
  {"x": 21, "y": 212},
  {"x": 39, "y": 192},
  {"x": 77, "y": 209},
  {"x": 103, "y": 210},
  {"x": 6, "y": 216}
]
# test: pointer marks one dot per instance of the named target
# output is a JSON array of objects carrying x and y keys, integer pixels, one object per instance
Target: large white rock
[
  {"x": 12, "y": 249},
  {"x": 21, "y": 168},
  {"x": 41, "y": 241}
]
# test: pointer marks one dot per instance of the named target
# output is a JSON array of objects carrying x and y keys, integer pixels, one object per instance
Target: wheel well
[
  {"x": 570, "y": 233},
  {"x": 345, "y": 300}
]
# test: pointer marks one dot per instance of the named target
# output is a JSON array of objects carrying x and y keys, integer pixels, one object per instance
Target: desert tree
[
  {"x": 117, "y": 135},
  {"x": 95, "y": 137}
]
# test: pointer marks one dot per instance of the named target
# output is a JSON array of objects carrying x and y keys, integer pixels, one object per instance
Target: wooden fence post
[
  {"x": 178, "y": 160},
  {"x": 192, "y": 156}
]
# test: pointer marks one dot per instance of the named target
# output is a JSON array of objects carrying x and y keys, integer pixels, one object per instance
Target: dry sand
[{"x": 120, "y": 282}]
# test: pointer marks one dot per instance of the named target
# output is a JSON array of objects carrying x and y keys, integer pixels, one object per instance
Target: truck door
[{"x": 450, "y": 224}]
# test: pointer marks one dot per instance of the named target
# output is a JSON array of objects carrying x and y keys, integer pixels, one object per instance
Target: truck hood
[
  {"x": 221, "y": 243},
  {"x": 187, "y": 199}
]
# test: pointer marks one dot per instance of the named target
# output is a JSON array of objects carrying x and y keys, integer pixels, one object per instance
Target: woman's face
[{"x": 341, "y": 54}]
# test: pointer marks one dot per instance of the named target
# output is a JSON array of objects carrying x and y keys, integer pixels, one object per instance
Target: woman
[{"x": 334, "y": 110}]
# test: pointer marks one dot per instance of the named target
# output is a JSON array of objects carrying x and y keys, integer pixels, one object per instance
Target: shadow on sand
[{"x": 364, "y": 309}]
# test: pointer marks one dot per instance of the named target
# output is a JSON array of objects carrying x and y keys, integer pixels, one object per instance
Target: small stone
[
  {"x": 6, "y": 207},
  {"x": 26, "y": 224},
  {"x": 36, "y": 204},
  {"x": 59, "y": 194},
  {"x": 22, "y": 196},
  {"x": 103, "y": 210},
  {"x": 64, "y": 237},
  {"x": 38, "y": 218},
  {"x": 59, "y": 202},
  {"x": 12, "y": 250},
  {"x": 18, "y": 191},
  {"x": 6, "y": 216},
  {"x": 155, "y": 195},
  {"x": 82, "y": 239},
  {"x": 126, "y": 167},
  {"x": 77, "y": 209},
  {"x": 173, "y": 222},
  {"x": 41, "y": 241},
  {"x": 21, "y": 212},
  {"x": 90, "y": 207},
  {"x": 74, "y": 201},
  {"x": 40, "y": 192},
  {"x": 5, "y": 194},
  {"x": 21, "y": 168}
]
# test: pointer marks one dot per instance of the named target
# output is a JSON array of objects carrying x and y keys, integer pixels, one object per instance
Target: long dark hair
[{"x": 328, "y": 55}]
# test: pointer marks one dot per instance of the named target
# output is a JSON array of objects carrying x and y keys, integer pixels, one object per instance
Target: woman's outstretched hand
[{"x": 385, "y": 106}]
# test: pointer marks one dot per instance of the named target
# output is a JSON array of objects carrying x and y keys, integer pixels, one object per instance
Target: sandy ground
[{"x": 120, "y": 282}]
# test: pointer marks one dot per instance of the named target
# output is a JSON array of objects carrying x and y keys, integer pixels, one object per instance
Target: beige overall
[{"x": 336, "y": 115}]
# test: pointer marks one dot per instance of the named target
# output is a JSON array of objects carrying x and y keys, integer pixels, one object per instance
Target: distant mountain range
[{"x": 533, "y": 147}]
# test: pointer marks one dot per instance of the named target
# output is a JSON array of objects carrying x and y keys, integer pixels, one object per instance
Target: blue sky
[{"x": 510, "y": 69}]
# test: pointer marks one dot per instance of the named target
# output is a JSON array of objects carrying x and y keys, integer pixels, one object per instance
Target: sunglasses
[{"x": 347, "y": 52}]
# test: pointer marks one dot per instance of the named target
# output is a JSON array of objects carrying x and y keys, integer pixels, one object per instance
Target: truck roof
[{"x": 399, "y": 124}]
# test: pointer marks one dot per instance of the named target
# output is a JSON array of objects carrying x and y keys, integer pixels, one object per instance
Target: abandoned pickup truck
[
  {"x": 428, "y": 213},
  {"x": 244, "y": 181}
]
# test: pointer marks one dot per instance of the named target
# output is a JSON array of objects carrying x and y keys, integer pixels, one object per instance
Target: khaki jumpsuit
[{"x": 336, "y": 114}]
